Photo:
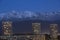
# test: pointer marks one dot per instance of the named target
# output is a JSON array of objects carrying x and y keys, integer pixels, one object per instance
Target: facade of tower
[
  {"x": 53, "y": 31},
  {"x": 36, "y": 31},
  {"x": 7, "y": 27}
]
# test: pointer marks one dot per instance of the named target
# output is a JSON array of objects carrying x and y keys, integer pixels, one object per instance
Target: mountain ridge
[{"x": 28, "y": 15}]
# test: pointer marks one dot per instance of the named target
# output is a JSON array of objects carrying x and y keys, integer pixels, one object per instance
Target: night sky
[
  {"x": 30, "y": 5},
  {"x": 22, "y": 11}
]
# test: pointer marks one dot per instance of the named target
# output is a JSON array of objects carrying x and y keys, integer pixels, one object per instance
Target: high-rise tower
[
  {"x": 53, "y": 31},
  {"x": 7, "y": 27},
  {"x": 36, "y": 31}
]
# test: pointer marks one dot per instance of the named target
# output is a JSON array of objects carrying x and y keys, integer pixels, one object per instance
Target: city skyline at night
[{"x": 29, "y": 19}]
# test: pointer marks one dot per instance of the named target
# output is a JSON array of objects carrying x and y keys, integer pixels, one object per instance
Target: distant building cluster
[{"x": 36, "y": 28}]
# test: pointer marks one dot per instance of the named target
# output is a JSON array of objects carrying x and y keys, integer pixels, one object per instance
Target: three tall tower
[{"x": 7, "y": 30}]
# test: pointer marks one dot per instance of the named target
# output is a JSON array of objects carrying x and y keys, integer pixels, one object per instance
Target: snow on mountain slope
[{"x": 30, "y": 15}]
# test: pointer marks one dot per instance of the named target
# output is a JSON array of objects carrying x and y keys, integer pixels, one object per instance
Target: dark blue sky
[{"x": 31, "y": 5}]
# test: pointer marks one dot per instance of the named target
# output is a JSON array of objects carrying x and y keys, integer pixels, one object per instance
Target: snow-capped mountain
[{"x": 28, "y": 15}]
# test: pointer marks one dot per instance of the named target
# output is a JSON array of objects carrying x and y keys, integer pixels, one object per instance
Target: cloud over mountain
[{"x": 50, "y": 16}]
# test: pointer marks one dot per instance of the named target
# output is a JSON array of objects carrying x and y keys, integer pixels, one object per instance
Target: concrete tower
[
  {"x": 53, "y": 31},
  {"x": 7, "y": 27},
  {"x": 36, "y": 31}
]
